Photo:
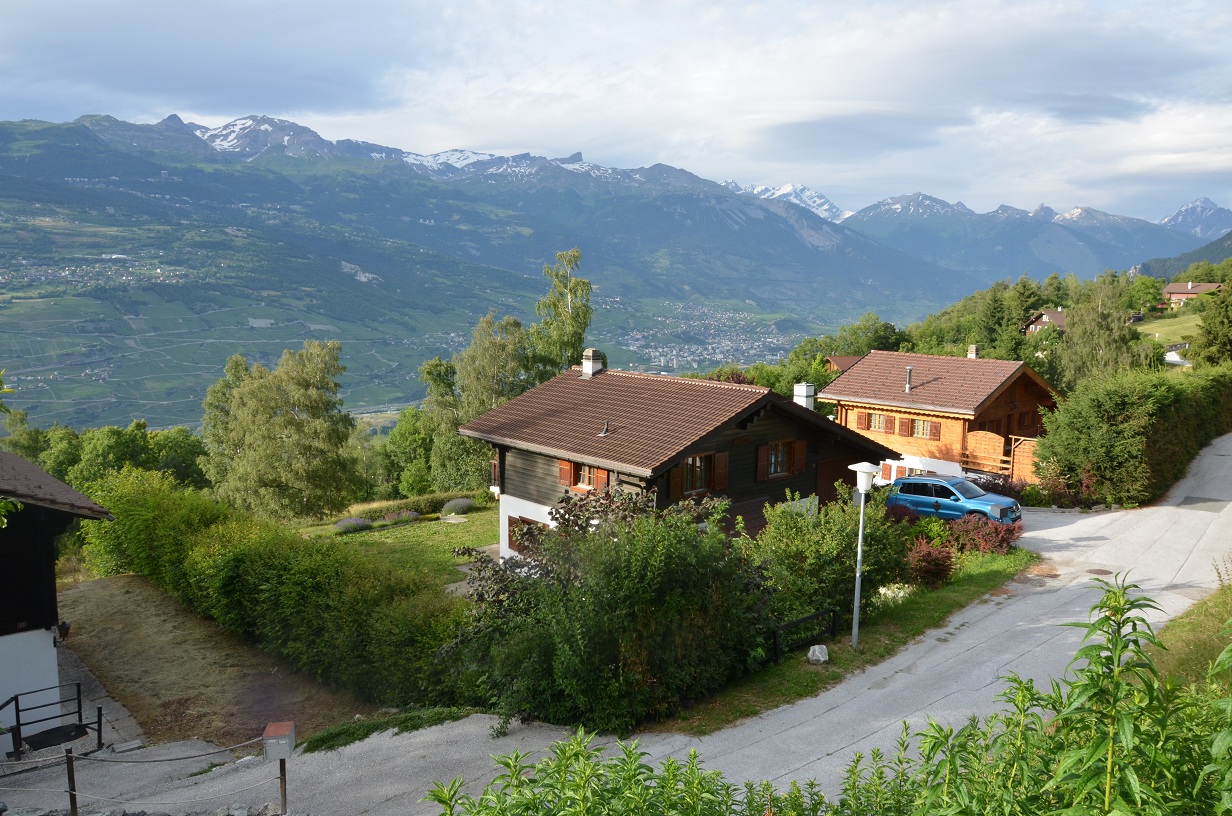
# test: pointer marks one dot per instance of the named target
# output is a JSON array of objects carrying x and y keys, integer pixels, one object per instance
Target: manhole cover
[{"x": 1099, "y": 572}]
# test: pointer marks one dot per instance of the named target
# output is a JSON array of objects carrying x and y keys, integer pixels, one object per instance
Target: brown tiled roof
[
  {"x": 650, "y": 419},
  {"x": 842, "y": 362},
  {"x": 951, "y": 384},
  {"x": 28, "y": 484},
  {"x": 1055, "y": 317}
]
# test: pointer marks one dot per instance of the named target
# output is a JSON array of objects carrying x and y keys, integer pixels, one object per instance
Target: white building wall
[
  {"x": 513, "y": 507},
  {"x": 28, "y": 662}
]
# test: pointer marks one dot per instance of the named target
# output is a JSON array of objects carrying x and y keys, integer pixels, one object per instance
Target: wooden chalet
[
  {"x": 28, "y": 611},
  {"x": 944, "y": 414},
  {"x": 591, "y": 428}
]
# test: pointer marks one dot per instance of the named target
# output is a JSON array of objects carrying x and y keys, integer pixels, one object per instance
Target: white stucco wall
[
  {"x": 513, "y": 507},
  {"x": 27, "y": 662}
]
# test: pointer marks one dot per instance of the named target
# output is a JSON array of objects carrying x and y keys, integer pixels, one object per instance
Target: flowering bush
[{"x": 352, "y": 525}]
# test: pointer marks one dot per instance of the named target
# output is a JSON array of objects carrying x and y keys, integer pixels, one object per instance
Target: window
[
  {"x": 579, "y": 477},
  {"x": 698, "y": 473},
  {"x": 879, "y": 422},
  {"x": 781, "y": 458},
  {"x": 921, "y": 428}
]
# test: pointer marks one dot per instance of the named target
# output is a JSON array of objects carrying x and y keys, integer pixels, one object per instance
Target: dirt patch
[{"x": 181, "y": 676}]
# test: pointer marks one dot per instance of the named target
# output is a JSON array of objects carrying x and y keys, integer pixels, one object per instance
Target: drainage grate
[{"x": 1099, "y": 572}]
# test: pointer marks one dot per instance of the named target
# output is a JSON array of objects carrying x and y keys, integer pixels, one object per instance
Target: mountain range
[{"x": 135, "y": 258}]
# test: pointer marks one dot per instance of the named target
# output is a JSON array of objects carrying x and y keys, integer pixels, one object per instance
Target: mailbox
[{"x": 279, "y": 740}]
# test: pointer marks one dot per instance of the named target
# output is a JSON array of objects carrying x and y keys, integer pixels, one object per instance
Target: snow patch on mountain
[{"x": 795, "y": 193}]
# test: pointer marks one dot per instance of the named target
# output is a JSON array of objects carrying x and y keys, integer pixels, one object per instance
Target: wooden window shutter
[
  {"x": 862, "y": 420},
  {"x": 799, "y": 450},
  {"x": 763, "y": 463},
  {"x": 718, "y": 477},
  {"x": 565, "y": 472},
  {"x": 904, "y": 427},
  {"x": 889, "y": 425},
  {"x": 600, "y": 479},
  {"x": 885, "y": 471},
  {"x": 675, "y": 483},
  {"x": 934, "y": 430}
]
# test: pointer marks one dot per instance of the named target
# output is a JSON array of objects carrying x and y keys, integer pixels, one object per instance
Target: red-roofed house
[
  {"x": 591, "y": 427},
  {"x": 28, "y": 612},
  {"x": 1177, "y": 293},
  {"x": 944, "y": 414}
]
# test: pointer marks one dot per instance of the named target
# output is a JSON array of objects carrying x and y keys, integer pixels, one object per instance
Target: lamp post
[{"x": 865, "y": 472}]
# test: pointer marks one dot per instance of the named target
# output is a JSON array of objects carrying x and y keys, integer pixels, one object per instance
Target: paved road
[{"x": 950, "y": 674}]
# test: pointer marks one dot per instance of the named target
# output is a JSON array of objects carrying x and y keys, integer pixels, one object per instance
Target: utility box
[{"x": 279, "y": 740}]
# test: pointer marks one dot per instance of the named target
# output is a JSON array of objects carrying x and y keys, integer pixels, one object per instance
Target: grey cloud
[{"x": 850, "y": 136}]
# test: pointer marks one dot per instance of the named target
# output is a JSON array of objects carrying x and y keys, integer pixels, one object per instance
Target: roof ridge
[
  {"x": 945, "y": 356},
  {"x": 760, "y": 389}
]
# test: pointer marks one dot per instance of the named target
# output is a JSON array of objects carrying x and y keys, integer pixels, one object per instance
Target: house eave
[{"x": 559, "y": 453}]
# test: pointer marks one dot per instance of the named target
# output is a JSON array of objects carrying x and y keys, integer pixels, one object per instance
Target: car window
[
  {"x": 909, "y": 489},
  {"x": 943, "y": 492},
  {"x": 967, "y": 490}
]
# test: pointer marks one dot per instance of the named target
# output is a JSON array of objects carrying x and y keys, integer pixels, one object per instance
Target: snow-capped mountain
[
  {"x": 795, "y": 193},
  {"x": 915, "y": 205},
  {"x": 250, "y": 136},
  {"x": 1203, "y": 218}
]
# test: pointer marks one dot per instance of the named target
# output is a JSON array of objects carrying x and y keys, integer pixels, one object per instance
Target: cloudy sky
[{"x": 1124, "y": 106}]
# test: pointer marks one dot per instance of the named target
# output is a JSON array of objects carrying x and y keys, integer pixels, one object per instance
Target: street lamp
[{"x": 864, "y": 483}]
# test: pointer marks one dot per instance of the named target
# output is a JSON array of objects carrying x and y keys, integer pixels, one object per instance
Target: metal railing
[
  {"x": 60, "y": 703},
  {"x": 806, "y": 631}
]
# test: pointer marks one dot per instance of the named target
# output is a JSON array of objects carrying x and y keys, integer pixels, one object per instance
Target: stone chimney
[
  {"x": 593, "y": 361},
  {"x": 907, "y": 389},
  {"x": 805, "y": 395},
  {"x": 973, "y": 352}
]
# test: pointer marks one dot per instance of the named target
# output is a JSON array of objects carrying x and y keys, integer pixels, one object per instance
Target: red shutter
[
  {"x": 718, "y": 478},
  {"x": 862, "y": 420},
  {"x": 885, "y": 471},
  {"x": 565, "y": 472},
  {"x": 799, "y": 449},
  {"x": 600, "y": 479},
  {"x": 904, "y": 427},
  {"x": 889, "y": 424},
  {"x": 675, "y": 483},
  {"x": 934, "y": 430},
  {"x": 763, "y": 463}
]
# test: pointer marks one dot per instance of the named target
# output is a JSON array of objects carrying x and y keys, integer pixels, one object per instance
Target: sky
[{"x": 1123, "y": 106}]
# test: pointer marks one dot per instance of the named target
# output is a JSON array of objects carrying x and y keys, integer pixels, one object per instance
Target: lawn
[
  {"x": 1168, "y": 330},
  {"x": 427, "y": 543}
]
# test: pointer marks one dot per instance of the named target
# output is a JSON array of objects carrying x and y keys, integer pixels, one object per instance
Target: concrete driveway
[{"x": 950, "y": 674}]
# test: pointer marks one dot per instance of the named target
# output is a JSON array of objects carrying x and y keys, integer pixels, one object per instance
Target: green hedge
[
  {"x": 1129, "y": 437},
  {"x": 316, "y": 602}
]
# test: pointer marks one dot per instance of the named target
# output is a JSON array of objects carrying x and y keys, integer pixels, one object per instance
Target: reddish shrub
[
  {"x": 976, "y": 533},
  {"x": 929, "y": 565},
  {"x": 901, "y": 512}
]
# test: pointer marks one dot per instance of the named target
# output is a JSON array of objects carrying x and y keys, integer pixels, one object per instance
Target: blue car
[{"x": 951, "y": 497}]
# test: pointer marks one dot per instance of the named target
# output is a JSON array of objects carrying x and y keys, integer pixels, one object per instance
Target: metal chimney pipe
[{"x": 908, "y": 388}]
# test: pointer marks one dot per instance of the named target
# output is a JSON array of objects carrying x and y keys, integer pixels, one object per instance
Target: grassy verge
[
  {"x": 1193, "y": 640},
  {"x": 1170, "y": 329},
  {"x": 404, "y": 722},
  {"x": 881, "y": 635}
]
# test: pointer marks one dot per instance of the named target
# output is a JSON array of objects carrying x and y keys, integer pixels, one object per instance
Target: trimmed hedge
[
  {"x": 1130, "y": 436},
  {"x": 316, "y": 602}
]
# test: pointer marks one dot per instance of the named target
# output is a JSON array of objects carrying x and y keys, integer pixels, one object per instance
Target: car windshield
[{"x": 967, "y": 490}]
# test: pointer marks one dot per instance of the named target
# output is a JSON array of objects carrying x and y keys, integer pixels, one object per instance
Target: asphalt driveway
[{"x": 950, "y": 674}]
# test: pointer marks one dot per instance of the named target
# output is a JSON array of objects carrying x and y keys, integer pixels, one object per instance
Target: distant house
[
  {"x": 841, "y": 362},
  {"x": 1042, "y": 320},
  {"x": 1178, "y": 293},
  {"x": 590, "y": 428},
  {"x": 28, "y": 612},
  {"x": 944, "y": 414}
]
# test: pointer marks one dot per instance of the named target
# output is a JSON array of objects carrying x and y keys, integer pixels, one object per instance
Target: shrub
[
  {"x": 400, "y": 516},
  {"x": 423, "y": 505},
  {"x": 929, "y": 564},
  {"x": 976, "y": 533},
  {"x": 457, "y": 507},
  {"x": 352, "y": 525},
  {"x": 810, "y": 560}
]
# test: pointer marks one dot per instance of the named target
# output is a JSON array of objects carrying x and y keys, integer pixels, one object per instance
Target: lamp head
[{"x": 865, "y": 472}]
